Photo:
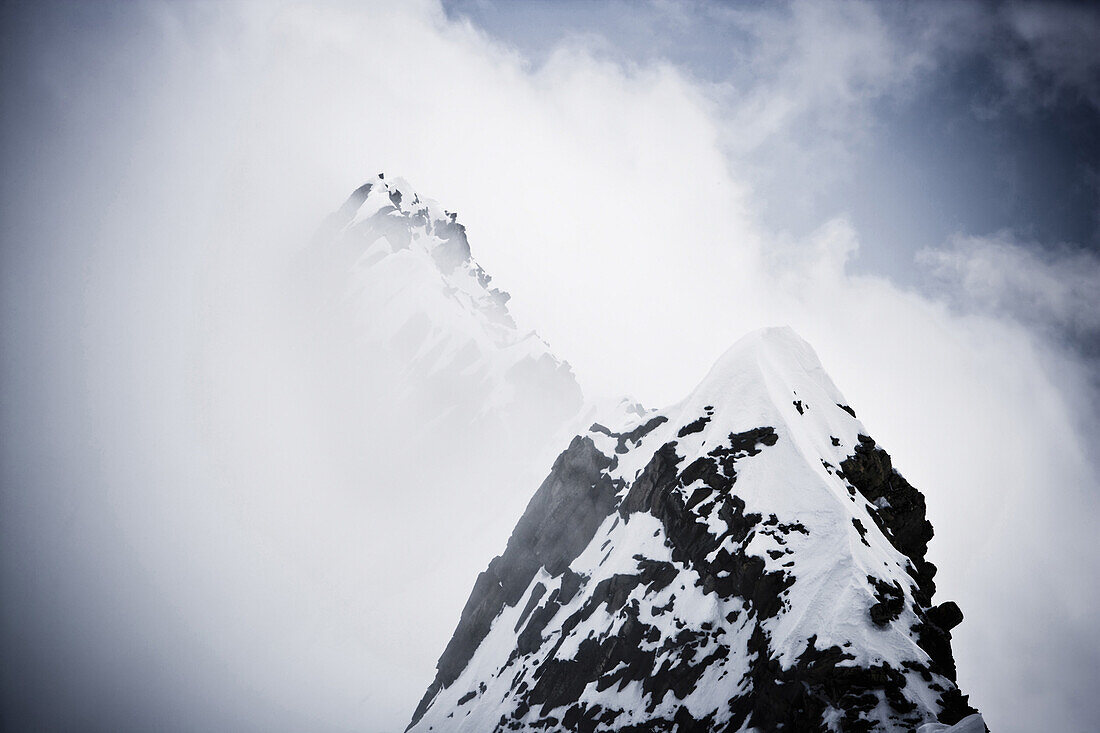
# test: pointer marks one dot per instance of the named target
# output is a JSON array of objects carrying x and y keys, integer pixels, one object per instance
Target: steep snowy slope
[{"x": 745, "y": 559}]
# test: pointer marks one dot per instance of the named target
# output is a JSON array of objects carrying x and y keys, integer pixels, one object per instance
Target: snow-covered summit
[{"x": 746, "y": 559}]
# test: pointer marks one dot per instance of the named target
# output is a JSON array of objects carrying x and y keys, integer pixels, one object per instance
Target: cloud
[
  {"x": 799, "y": 96},
  {"x": 171, "y": 475},
  {"x": 1056, "y": 291},
  {"x": 1053, "y": 53}
]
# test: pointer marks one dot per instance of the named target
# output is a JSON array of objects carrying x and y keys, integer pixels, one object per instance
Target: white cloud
[{"x": 1056, "y": 291}]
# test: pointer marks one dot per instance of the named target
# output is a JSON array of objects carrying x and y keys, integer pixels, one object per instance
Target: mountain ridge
[{"x": 404, "y": 267}]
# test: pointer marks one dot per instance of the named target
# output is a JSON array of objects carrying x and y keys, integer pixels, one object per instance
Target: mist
[{"x": 216, "y": 516}]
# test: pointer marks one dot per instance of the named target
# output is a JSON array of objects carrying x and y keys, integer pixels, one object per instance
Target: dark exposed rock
[
  {"x": 798, "y": 697},
  {"x": 626, "y": 441},
  {"x": 536, "y": 596},
  {"x": 861, "y": 530},
  {"x": 890, "y": 601},
  {"x": 655, "y": 574},
  {"x": 557, "y": 525},
  {"x": 696, "y": 426},
  {"x": 632, "y": 438},
  {"x": 531, "y": 637},
  {"x": 570, "y": 583},
  {"x": 740, "y": 445},
  {"x": 902, "y": 516},
  {"x": 654, "y": 481},
  {"x": 956, "y": 706},
  {"x": 947, "y": 615}
]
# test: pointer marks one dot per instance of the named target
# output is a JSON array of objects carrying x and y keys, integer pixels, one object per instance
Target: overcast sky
[{"x": 915, "y": 188}]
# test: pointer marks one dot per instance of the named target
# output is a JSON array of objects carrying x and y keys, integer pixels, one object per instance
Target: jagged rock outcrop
[{"x": 748, "y": 559}]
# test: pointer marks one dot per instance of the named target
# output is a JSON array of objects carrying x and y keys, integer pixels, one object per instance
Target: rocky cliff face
[{"x": 745, "y": 559}]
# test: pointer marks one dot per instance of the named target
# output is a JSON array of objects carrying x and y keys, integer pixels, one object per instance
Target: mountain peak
[
  {"x": 391, "y": 208},
  {"x": 773, "y": 377},
  {"x": 747, "y": 558},
  {"x": 770, "y": 353}
]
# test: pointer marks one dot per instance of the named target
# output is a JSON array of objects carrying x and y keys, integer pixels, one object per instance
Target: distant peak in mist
[{"x": 400, "y": 267}]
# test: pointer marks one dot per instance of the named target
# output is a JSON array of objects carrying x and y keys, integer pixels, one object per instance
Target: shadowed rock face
[
  {"x": 558, "y": 523},
  {"x": 648, "y": 587}
]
